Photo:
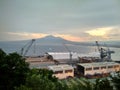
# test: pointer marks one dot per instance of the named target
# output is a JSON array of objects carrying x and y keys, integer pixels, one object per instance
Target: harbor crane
[
  {"x": 109, "y": 52},
  {"x": 26, "y": 48},
  {"x": 104, "y": 52},
  {"x": 70, "y": 53}
]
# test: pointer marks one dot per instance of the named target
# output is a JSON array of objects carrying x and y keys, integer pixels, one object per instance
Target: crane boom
[{"x": 24, "y": 51}]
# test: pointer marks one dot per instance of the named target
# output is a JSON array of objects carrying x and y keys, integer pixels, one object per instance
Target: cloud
[
  {"x": 69, "y": 37},
  {"x": 93, "y": 34},
  {"x": 114, "y": 34},
  {"x": 74, "y": 20},
  {"x": 27, "y": 35},
  {"x": 104, "y": 33},
  {"x": 99, "y": 31}
]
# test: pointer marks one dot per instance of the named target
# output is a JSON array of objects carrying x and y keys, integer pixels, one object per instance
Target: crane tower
[{"x": 104, "y": 53}]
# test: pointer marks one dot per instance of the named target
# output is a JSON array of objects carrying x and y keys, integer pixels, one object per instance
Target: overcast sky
[{"x": 75, "y": 20}]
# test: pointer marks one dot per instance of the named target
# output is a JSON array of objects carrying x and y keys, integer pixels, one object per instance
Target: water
[{"x": 39, "y": 49}]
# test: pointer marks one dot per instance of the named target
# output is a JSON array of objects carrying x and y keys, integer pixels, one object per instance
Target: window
[
  {"x": 110, "y": 66},
  {"x": 88, "y": 69},
  {"x": 96, "y": 68},
  {"x": 58, "y": 72},
  {"x": 68, "y": 71},
  {"x": 116, "y": 66},
  {"x": 103, "y": 67}
]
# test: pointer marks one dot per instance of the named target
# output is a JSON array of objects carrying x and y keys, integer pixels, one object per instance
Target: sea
[{"x": 40, "y": 49}]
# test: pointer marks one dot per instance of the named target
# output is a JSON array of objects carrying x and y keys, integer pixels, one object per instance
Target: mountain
[
  {"x": 40, "y": 46},
  {"x": 51, "y": 40},
  {"x": 48, "y": 40},
  {"x": 50, "y": 44}
]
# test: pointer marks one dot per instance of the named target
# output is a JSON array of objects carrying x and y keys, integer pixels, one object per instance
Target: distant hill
[
  {"x": 52, "y": 40},
  {"x": 40, "y": 46},
  {"x": 52, "y": 43},
  {"x": 47, "y": 40}
]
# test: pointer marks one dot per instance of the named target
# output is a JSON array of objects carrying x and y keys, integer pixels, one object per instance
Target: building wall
[
  {"x": 64, "y": 74},
  {"x": 94, "y": 69},
  {"x": 62, "y": 71}
]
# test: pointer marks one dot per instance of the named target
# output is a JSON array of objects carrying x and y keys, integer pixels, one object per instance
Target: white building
[
  {"x": 62, "y": 71},
  {"x": 98, "y": 68},
  {"x": 63, "y": 55}
]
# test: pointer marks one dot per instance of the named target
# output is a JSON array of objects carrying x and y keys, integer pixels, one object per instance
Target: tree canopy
[
  {"x": 16, "y": 75},
  {"x": 13, "y": 70}
]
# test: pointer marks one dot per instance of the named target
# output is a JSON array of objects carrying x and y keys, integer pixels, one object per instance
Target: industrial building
[
  {"x": 62, "y": 71},
  {"x": 63, "y": 55},
  {"x": 98, "y": 68}
]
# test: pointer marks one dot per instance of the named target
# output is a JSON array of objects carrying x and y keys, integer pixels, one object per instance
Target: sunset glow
[
  {"x": 99, "y": 31},
  {"x": 28, "y": 35},
  {"x": 40, "y": 35},
  {"x": 69, "y": 37}
]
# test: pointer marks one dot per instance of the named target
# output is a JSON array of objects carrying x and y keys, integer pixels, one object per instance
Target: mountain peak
[
  {"x": 52, "y": 39},
  {"x": 50, "y": 36}
]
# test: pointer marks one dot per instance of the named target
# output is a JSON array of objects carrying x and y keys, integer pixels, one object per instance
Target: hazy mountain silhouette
[
  {"x": 47, "y": 40},
  {"x": 51, "y": 40}
]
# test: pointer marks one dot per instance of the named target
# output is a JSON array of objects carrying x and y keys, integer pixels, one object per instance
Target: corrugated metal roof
[
  {"x": 60, "y": 67},
  {"x": 98, "y": 64}
]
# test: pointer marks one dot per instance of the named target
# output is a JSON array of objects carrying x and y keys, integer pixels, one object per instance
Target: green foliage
[
  {"x": 61, "y": 85},
  {"x": 36, "y": 82},
  {"x": 41, "y": 79},
  {"x": 44, "y": 73},
  {"x": 103, "y": 85},
  {"x": 79, "y": 84},
  {"x": 13, "y": 70},
  {"x": 22, "y": 87},
  {"x": 116, "y": 80}
]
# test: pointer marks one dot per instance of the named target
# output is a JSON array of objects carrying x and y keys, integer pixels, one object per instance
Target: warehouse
[
  {"x": 63, "y": 55},
  {"x": 62, "y": 71},
  {"x": 98, "y": 68}
]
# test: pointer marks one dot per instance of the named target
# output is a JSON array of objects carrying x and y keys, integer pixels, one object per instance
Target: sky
[{"x": 75, "y": 20}]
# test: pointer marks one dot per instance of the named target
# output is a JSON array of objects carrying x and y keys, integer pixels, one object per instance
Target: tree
[
  {"x": 103, "y": 85},
  {"x": 41, "y": 79},
  {"x": 116, "y": 80},
  {"x": 44, "y": 73},
  {"x": 13, "y": 70},
  {"x": 22, "y": 87}
]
